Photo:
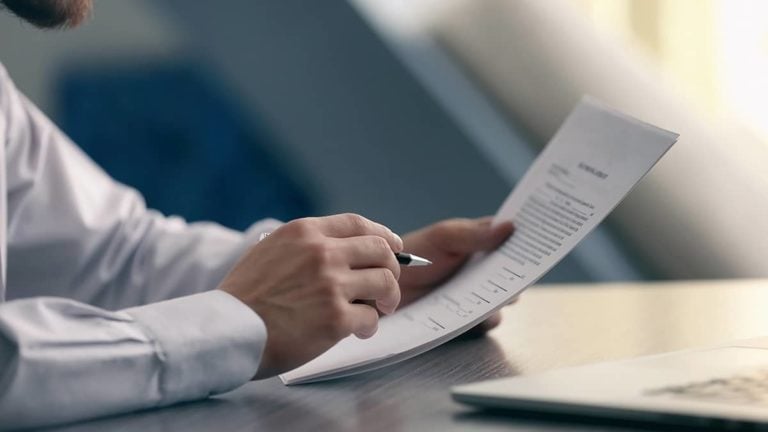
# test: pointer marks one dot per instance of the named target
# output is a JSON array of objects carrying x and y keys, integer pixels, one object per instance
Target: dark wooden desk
[{"x": 552, "y": 326}]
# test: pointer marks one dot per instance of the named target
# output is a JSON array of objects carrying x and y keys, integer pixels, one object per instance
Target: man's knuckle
[
  {"x": 451, "y": 224},
  {"x": 388, "y": 279},
  {"x": 329, "y": 283},
  {"x": 443, "y": 228},
  {"x": 321, "y": 254},
  {"x": 300, "y": 227},
  {"x": 394, "y": 267},
  {"x": 454, "y": 230},
  {"x": 380, "y": 245},
  {"x": 391, "y": 284},
  {"x": 357, "y": 221}
]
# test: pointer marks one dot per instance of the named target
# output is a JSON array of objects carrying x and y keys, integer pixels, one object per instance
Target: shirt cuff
[{"x": 206, "y": 343}]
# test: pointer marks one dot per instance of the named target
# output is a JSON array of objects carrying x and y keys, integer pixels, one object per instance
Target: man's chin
[{"x": 50, "y": 13}]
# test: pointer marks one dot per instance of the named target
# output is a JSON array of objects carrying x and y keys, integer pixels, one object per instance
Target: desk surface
[{"x": 551, "y": 326}]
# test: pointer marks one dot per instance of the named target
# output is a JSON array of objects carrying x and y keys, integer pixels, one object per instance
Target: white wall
[{"x": 703, "y": 211}]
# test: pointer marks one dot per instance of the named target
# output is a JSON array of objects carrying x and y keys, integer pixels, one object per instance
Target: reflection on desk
[{"x": 551, "y": 326}]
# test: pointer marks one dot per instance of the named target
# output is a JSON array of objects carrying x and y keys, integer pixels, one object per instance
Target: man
[{"x": 112, "y": 307}]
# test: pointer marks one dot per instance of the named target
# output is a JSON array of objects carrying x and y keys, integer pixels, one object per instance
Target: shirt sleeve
[
  {"x": 111, "y": 305},
  {"x": 61, "y": 360},
  {"x": 72, "y": 231}
]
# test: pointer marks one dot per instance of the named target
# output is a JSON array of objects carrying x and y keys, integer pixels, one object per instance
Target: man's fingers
[
  {"x": 377, "y": 284},
  {"x": 353, "y": 225},
  {"x": 363, "y": 319},
  {"x": 490, "y": 323},
  {"x": 369, "y": 252},
  {"x": 463, "y": 236},
  {"x": 497, "y": 235}
]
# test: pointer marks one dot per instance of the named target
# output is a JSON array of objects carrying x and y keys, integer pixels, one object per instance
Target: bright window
[{"x": 716, "y": 50}]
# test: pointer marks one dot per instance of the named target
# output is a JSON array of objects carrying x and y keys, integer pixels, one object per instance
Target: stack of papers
[{"x": 589, "y": 166}]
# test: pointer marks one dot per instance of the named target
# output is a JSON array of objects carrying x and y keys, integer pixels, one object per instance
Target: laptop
[{"x": 721, "y": 385}]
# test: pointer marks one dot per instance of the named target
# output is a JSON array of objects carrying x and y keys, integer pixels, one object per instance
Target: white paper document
[{"x": 589, "y": 166}]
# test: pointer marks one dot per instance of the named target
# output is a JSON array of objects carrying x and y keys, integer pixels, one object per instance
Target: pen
[
  {"x": 411, "y": 260},
  {"x": 406, "y": 259}
]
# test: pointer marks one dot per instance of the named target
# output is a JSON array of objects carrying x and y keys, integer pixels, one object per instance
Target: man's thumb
[{"x": 495, "y": 235}]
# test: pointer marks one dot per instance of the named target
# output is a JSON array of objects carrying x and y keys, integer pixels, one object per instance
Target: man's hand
[
  {"x": 448, "y": 244},
  {"x": 315, "y": 281}
]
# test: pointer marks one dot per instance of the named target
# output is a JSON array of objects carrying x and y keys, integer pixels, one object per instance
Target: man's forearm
[{"x": 64, "y": 361}]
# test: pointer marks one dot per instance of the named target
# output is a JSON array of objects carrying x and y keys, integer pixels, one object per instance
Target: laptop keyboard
[{"x": 749, "y": 388}]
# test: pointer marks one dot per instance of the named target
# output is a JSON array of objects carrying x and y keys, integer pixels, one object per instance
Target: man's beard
[{"x": 50, "y": 13}]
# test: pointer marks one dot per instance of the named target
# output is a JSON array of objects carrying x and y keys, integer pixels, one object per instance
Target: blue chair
[{"x": 171, "y": 132}]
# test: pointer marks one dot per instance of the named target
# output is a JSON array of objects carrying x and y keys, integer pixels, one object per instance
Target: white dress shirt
[{"x": 106, "y": 306}]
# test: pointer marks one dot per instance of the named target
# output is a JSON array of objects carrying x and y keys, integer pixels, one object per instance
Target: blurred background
[{"x": 409, "y": 111}]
